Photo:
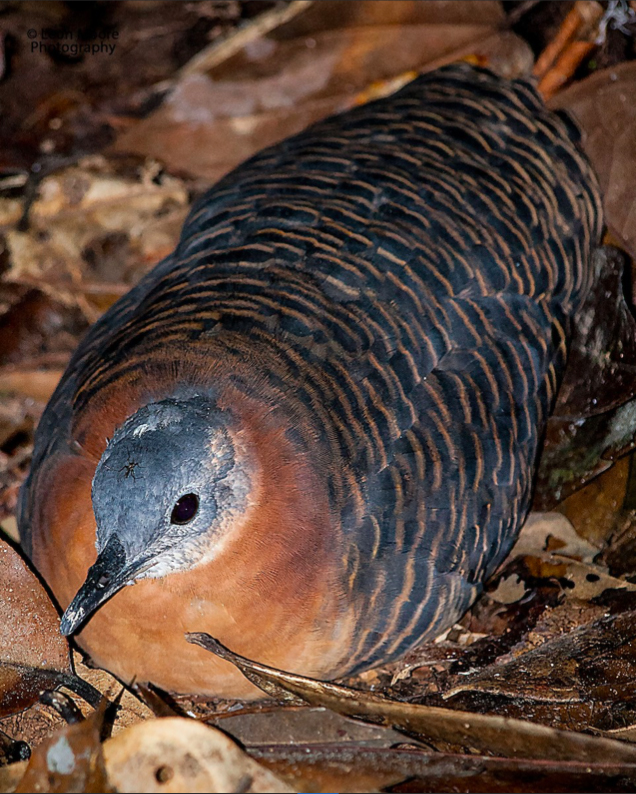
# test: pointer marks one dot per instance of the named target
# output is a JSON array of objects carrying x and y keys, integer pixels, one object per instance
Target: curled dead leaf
[
  {"x": 33, "y": 653},
  {"x": 475, "y": 732}
]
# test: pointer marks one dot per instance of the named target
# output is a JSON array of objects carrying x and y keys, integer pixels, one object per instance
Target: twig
[
  {"x": 520, "y": 10},
  {"x": 573, "y": 42},
  {"x": 220, "y": 51},
  {"x": 564, "y": 68}
]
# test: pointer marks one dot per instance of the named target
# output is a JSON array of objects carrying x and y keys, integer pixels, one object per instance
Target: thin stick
[
  {"x": 577, "y": 26},
  {"x": 568, "y": 30},
  {"x": 220, "y": 51},
  {"x": 562, "y": 71}
]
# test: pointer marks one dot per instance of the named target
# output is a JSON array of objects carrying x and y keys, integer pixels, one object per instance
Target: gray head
[{"x": 166, "y": 491}]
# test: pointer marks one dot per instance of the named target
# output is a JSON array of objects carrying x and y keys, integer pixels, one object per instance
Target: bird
[{"x": 311, "y": 431}]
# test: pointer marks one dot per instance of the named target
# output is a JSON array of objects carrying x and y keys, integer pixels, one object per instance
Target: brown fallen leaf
[
  {"x": 475, "y": 732},
  {"x": 301, "y": 19},
  {"x": 34, "y": 656},
  {"x": 624, "y": 734},
  {"x": 604, "y": 106},
  {"x": 177, "y": 754},
  {"x": 550, "y": 546},
  {"x": 234, "y": 101},
  {"x": 33, "y": 653},
  {"x": 543, "y": 532},
  {"x": 308, "y": 726},
  {"x": 583, "y": 679},
  {"x": 599, "y": 512},
  {"x": 347, "y": 769},
  {"x": 29, "y": 631},
  {"x": 70, "y": 760}
]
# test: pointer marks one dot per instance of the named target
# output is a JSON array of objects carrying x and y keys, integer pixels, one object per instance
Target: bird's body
[{"x": 353, "y": 348}]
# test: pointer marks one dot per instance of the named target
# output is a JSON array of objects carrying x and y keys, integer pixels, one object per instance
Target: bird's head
[{"x": 167, "y": 491}]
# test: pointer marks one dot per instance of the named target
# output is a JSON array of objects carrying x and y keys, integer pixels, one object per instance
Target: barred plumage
[{"x": 394, "y": 286}]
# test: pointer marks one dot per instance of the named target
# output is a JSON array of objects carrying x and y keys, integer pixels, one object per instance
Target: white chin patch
[{"x": 161, "y": 568}]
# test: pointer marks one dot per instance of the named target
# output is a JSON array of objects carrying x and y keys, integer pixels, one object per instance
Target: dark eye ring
[{"x": 185, "y": 509}]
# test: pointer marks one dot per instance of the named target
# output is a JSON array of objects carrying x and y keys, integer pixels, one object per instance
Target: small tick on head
[{"x": 129, "y": 469}]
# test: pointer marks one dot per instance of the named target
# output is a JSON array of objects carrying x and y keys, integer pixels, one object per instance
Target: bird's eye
[{"x": 185, "y": 509}]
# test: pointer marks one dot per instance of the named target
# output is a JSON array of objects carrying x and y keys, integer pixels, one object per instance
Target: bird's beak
[{"x": 108, "y": 575}]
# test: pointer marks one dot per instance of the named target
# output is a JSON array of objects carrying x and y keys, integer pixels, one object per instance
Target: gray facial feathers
[{"x": 163, "y": 452}]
